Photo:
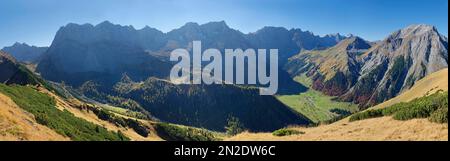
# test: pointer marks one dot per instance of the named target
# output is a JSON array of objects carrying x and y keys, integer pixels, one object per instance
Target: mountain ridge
[
  {"x": 379, "y": 72},
  {"x": 374, "y": 129},
  {"x": 332, "y": 70},
  {"x": 399, "y": 61},
  {"x": 24, "y": 52}
]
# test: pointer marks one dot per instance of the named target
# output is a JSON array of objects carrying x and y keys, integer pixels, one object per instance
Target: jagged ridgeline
[
  {"x": 25, "y": 53},
  {"x": 94, "y": 58},
  {"x": 105, "y": 51},
  {"x": 23, "y": 87},
  {"x": 207, "y": 106},
  {"x": 370, "y": 73},
  {"x": 14, "y": 73},
  {"x": 100, "y": 54}
]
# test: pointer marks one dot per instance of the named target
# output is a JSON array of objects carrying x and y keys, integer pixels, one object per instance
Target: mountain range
[
  {"x": 127, "y": 39},
  {"x": 101, "y": 54},
  {"x": 128, "y": 68},
  {"x": 24, "y": 52},
  {"x": 12, "y": 72},
  {"x": 368, "y": 74}
]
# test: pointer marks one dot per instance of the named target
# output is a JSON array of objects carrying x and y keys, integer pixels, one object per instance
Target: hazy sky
[{"x": 36, "y": 21}]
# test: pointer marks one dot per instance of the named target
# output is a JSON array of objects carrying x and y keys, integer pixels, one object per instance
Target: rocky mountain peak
[
  {"x": 217, "y": 25},
  {"x": 108, "y": 26},
  {"x": 337, "y": 36},
  {"x": 418, "y": 30},
  {"x": 413, "y": 31},
  {"x": 189, "y": 25},
  {"x": 16, "y": 44},
  {"x": 149, "y": 29},
  {"x": 104, "y": 24},
  {"x": 24, "y": 52},
  {"x": 266, "y": 29},
  {"x": 5, "y": 56},
  {"x": 395, "y": 64},
  {"x": 354, "y": 43}
]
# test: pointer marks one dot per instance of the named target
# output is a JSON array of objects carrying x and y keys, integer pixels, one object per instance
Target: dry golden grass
[
  {"x": 91, "y": 117},
  {"x": 17, "y": 124},
  {"x": 376, "y": 129},
  {"x": 428, "y": 85},
  {"x": 384, "y": 128}
]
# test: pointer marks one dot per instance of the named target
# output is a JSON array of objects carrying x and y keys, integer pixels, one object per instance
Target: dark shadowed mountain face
[
  {"x": 94, "y": 59},
  {"x": 207, "y": 106},
  {"x": 290, "y": 42},
  {"x": 367, "y": 75},
  {"x": 25, "y": 53},
  {"x": 106, "y": 51},
  {"x": 333, "y": 71},
  {"x": 396, "y": 63},
  {"x": 213, "y": 35},
  {"x": 13, "y": 73}
]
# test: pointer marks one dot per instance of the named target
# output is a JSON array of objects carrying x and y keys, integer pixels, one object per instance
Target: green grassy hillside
[
  {"x": 204, "y": 106},
  {"x": 433, "y": 107},
  {"x": 315, "y": 105},
  {"x": 43, "y": 107}
]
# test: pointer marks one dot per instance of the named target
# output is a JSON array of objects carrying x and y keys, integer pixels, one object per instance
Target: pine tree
[{"x": 234, "y": 126}]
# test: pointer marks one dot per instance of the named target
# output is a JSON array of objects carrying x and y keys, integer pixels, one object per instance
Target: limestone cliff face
[
  {"x": 12, "y": 73},
  {"x": 396, "y": 63},
  {"x": 370, "y": 73},
  {"x": 25, "y": 53},
  {"x": 333, "y": 71},
  {"x": 105, "y": 51}
]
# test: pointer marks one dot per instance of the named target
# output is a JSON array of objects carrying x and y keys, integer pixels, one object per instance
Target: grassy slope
[
  {"x": 384, "y": 128},
  {"x": 69, "y": 105},
  {"x": 314, "y": 104},
  {"x": 64, "y": 123},
  {"x": 17, "y": 124},
  {"x": 428, "y": 85}
]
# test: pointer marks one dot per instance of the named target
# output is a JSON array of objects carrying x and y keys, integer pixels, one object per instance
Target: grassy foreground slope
[
  {"x": 63, "y": 122},
  {"x": 18, "y": 124},
  {"x": 382, "y": 128},
  {"x": 202, "y": 106},
  {"x": 428, "y": 85}
]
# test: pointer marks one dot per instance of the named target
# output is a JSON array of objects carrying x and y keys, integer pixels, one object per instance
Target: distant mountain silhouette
[
  {"x": 356, "y": 71},
  {"x": 85, "y": 44},
  {"x": 105, "y": 51},
  {"x": 25, "y": 53},
  {"x": 14, "y": 73},
  {"x": 95, "y": 58}
]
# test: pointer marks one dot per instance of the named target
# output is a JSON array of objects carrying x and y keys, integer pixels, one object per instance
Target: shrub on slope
[
  {"x": 43, "y": 107},
  {"x": 434, "y": 107}
]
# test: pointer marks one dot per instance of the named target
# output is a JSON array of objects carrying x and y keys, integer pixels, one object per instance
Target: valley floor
[
  {"x": 384, "y": 128},
  {"x": 315, "y": 105},
  {"x": 17, "y": 124}
]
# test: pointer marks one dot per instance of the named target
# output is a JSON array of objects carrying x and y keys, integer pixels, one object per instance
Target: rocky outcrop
[
  {"x": 25, "y": 53},
  {"x": 357, "y": 72},
  {"x": 105, "y": 51},
  {"x": 333, "y": 71},
  {"x": 396, "y": 63},
  {"x": 13, "y": 73},
  {"x": 102, "y": 52}
]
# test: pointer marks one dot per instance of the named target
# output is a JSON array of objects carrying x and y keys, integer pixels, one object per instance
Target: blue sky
[{"x": 36, "y": 21}]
